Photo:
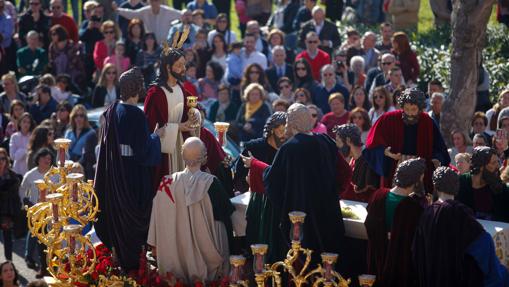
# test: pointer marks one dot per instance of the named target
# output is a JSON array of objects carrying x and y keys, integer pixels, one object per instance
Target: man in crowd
[
  {"x": 387, "y": 63},
  {"x": 34, "y": 19},
  {"x": 190, "y": 225},
  {"x": 156, "y": 18},
  {"x": 44, "y": 105},
  {"x": 91, "y": 34},
  {"x": 392, "y": 218},
  {"x": 437, "y": 100},
  {"x": 326, "y": 30},
  {"x": 450, "y": 247},
  {"x": 482, "y": 189},
  {"x": 253, "y": 27},
  {"x": 402, "y": 134},
  {"x": 316, "y": 193},
  {"x": 316, "y": 57},
  {"x": 59, "y": 17},
  {"x": 385, "y": 44},
  {"x": 395, "y": 77},
  {"x": 370, "y": 53},
  {"x": 303, "y": 15},
  {"x": 31, "y": 60},
  {"x": 209, "y": 10},
  {"x": 279, "y": 68},
  {"x": 185, "y": 22},
  {"x": 250, "y": 55},
  {"x": 364, "y": 180},
  {"x": 123, "y": 179}
]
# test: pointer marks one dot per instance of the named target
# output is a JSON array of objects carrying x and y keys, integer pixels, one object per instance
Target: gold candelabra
[
  {"x": 65, "y": 206},
  {"x": 323, "y": 275}
]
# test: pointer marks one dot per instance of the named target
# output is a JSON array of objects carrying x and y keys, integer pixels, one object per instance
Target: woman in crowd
[
  {"x": 208, "y": 86},
  {"x": 359, "y": 99},
  {"x": 316, "y": 114},
  {"x": 254, "y": 74},
  {"x": 461, "y": 144},
  {"x": 302, "y": 96},
  {"x": 148, "y": 58},
  {"x": 277, "y": 38},
  {"x": 64, "y": 56},
  {"x": 463, "y": 162},
  {"x": 381, "y": 103},
  {"x": 106, "y": 91},
  {"x": 219, "y": 50},
  {"x": 360, "y": 118},
  {"x": 42, "y": 137},
  {"x": 492, "y": 114},
  {"x": 222, "y": 26},
  {"x": 11, "y": 92},
  {"x": 357, "y": 67},
  {"x": 18, "y": 145},
  {"x": 10, "y": 204},
  {"x": 16, "y": 111},
  {"x": 62, "y": 120},
  {"x": 479, "y": 124},
  {"x": 338, "y": 114},
  {"x": 119, "y": 59},
  {"x": 406, "y": 57},
  {"x": 328, "y": 86},
  {"x": 480, "y": 140},
  {"x": 134, "y": 41},
  {"x": 223, "y": 110},
  {"x": 253, "y": 113},
  {"x": 83, "y": 140},
  {"x": 303, "y": 77},
  {"x": 8, "y": 275},
  {"x": 106, "y": 46}
]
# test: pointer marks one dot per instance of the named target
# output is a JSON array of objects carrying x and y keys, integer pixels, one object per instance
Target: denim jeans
[{"x": 30, "y": 247}]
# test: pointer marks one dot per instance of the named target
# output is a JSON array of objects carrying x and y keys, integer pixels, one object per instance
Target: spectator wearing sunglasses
[
  {"x": 83, "y": 140},
  {"x": 316, "y": 57},
  {"x": 316, "y": 114},
  {"x": 34, "y": 19},
  {"x": 59, "y": 17}
]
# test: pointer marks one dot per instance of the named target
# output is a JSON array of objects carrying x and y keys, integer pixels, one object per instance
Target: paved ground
[{"x": 25, "y": 274}]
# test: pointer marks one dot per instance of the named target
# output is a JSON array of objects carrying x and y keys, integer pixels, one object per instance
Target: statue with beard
[
  {"x": 403, "y": 134},
  {"x": 304, "y": 176},
  {"x": 166, "y": 105},
  {"x": 364, "y": 180},
  {"x": 482, "y": 189},
  {"x": 259, "y": 213},
  {"x": 392, "y": 218}
]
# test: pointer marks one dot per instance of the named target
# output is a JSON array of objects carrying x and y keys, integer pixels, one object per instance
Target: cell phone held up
[{"x": 501, "y": 134}]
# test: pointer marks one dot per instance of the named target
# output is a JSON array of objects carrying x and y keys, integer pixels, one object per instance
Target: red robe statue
[{"x": 422, "y": 139}]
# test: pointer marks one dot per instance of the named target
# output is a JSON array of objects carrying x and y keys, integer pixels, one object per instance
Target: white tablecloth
[{"x": 354, "y": 228}]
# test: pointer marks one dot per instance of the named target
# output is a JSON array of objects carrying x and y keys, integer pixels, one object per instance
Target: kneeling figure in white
[{"x": 190, "y": 224}]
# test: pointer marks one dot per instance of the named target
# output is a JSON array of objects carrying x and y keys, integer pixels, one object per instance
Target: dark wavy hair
[
  {"x": 168, "y": 59},
  {"x": 412, "y": 96},
  {"x": 16, "y": 274}
]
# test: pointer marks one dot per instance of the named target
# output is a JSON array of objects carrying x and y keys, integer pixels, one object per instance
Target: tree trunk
[{"x": 469, "y": 21}]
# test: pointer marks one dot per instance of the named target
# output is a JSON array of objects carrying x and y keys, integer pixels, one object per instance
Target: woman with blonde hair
[
  {"x": 11, "y": 92},
  {"x": 83, "y": 140},
  {"x": 253, "y": 113},
  {"x": 106, "y": 91},
  {"x": 461, "y": 144},
  {"x": 106, "y": 47}
]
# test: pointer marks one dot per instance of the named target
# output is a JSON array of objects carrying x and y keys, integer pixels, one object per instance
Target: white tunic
[
  {"x": 190, "y": 244},
  {"x": 172, "y": 141}
]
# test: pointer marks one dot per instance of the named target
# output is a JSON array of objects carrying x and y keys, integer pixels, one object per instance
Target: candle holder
[
  {"x": 192, "y": 103},
  {"x": 237, "y": 263},
  {"x": 221, "y": 128},
  {"x": 43, "y": 188},
  {"x": 62, "y": 146},
  {"x": 320, "y": 276}
]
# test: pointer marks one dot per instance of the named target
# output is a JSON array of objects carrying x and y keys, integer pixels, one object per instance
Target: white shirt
[
  {"x": 111, "y": 96},
  {"x": 254, "y": 57},
  {"x": 28, "y": 188},
  {"x": 158, "y": 24},
  {"x": 318, "y": 28}
]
